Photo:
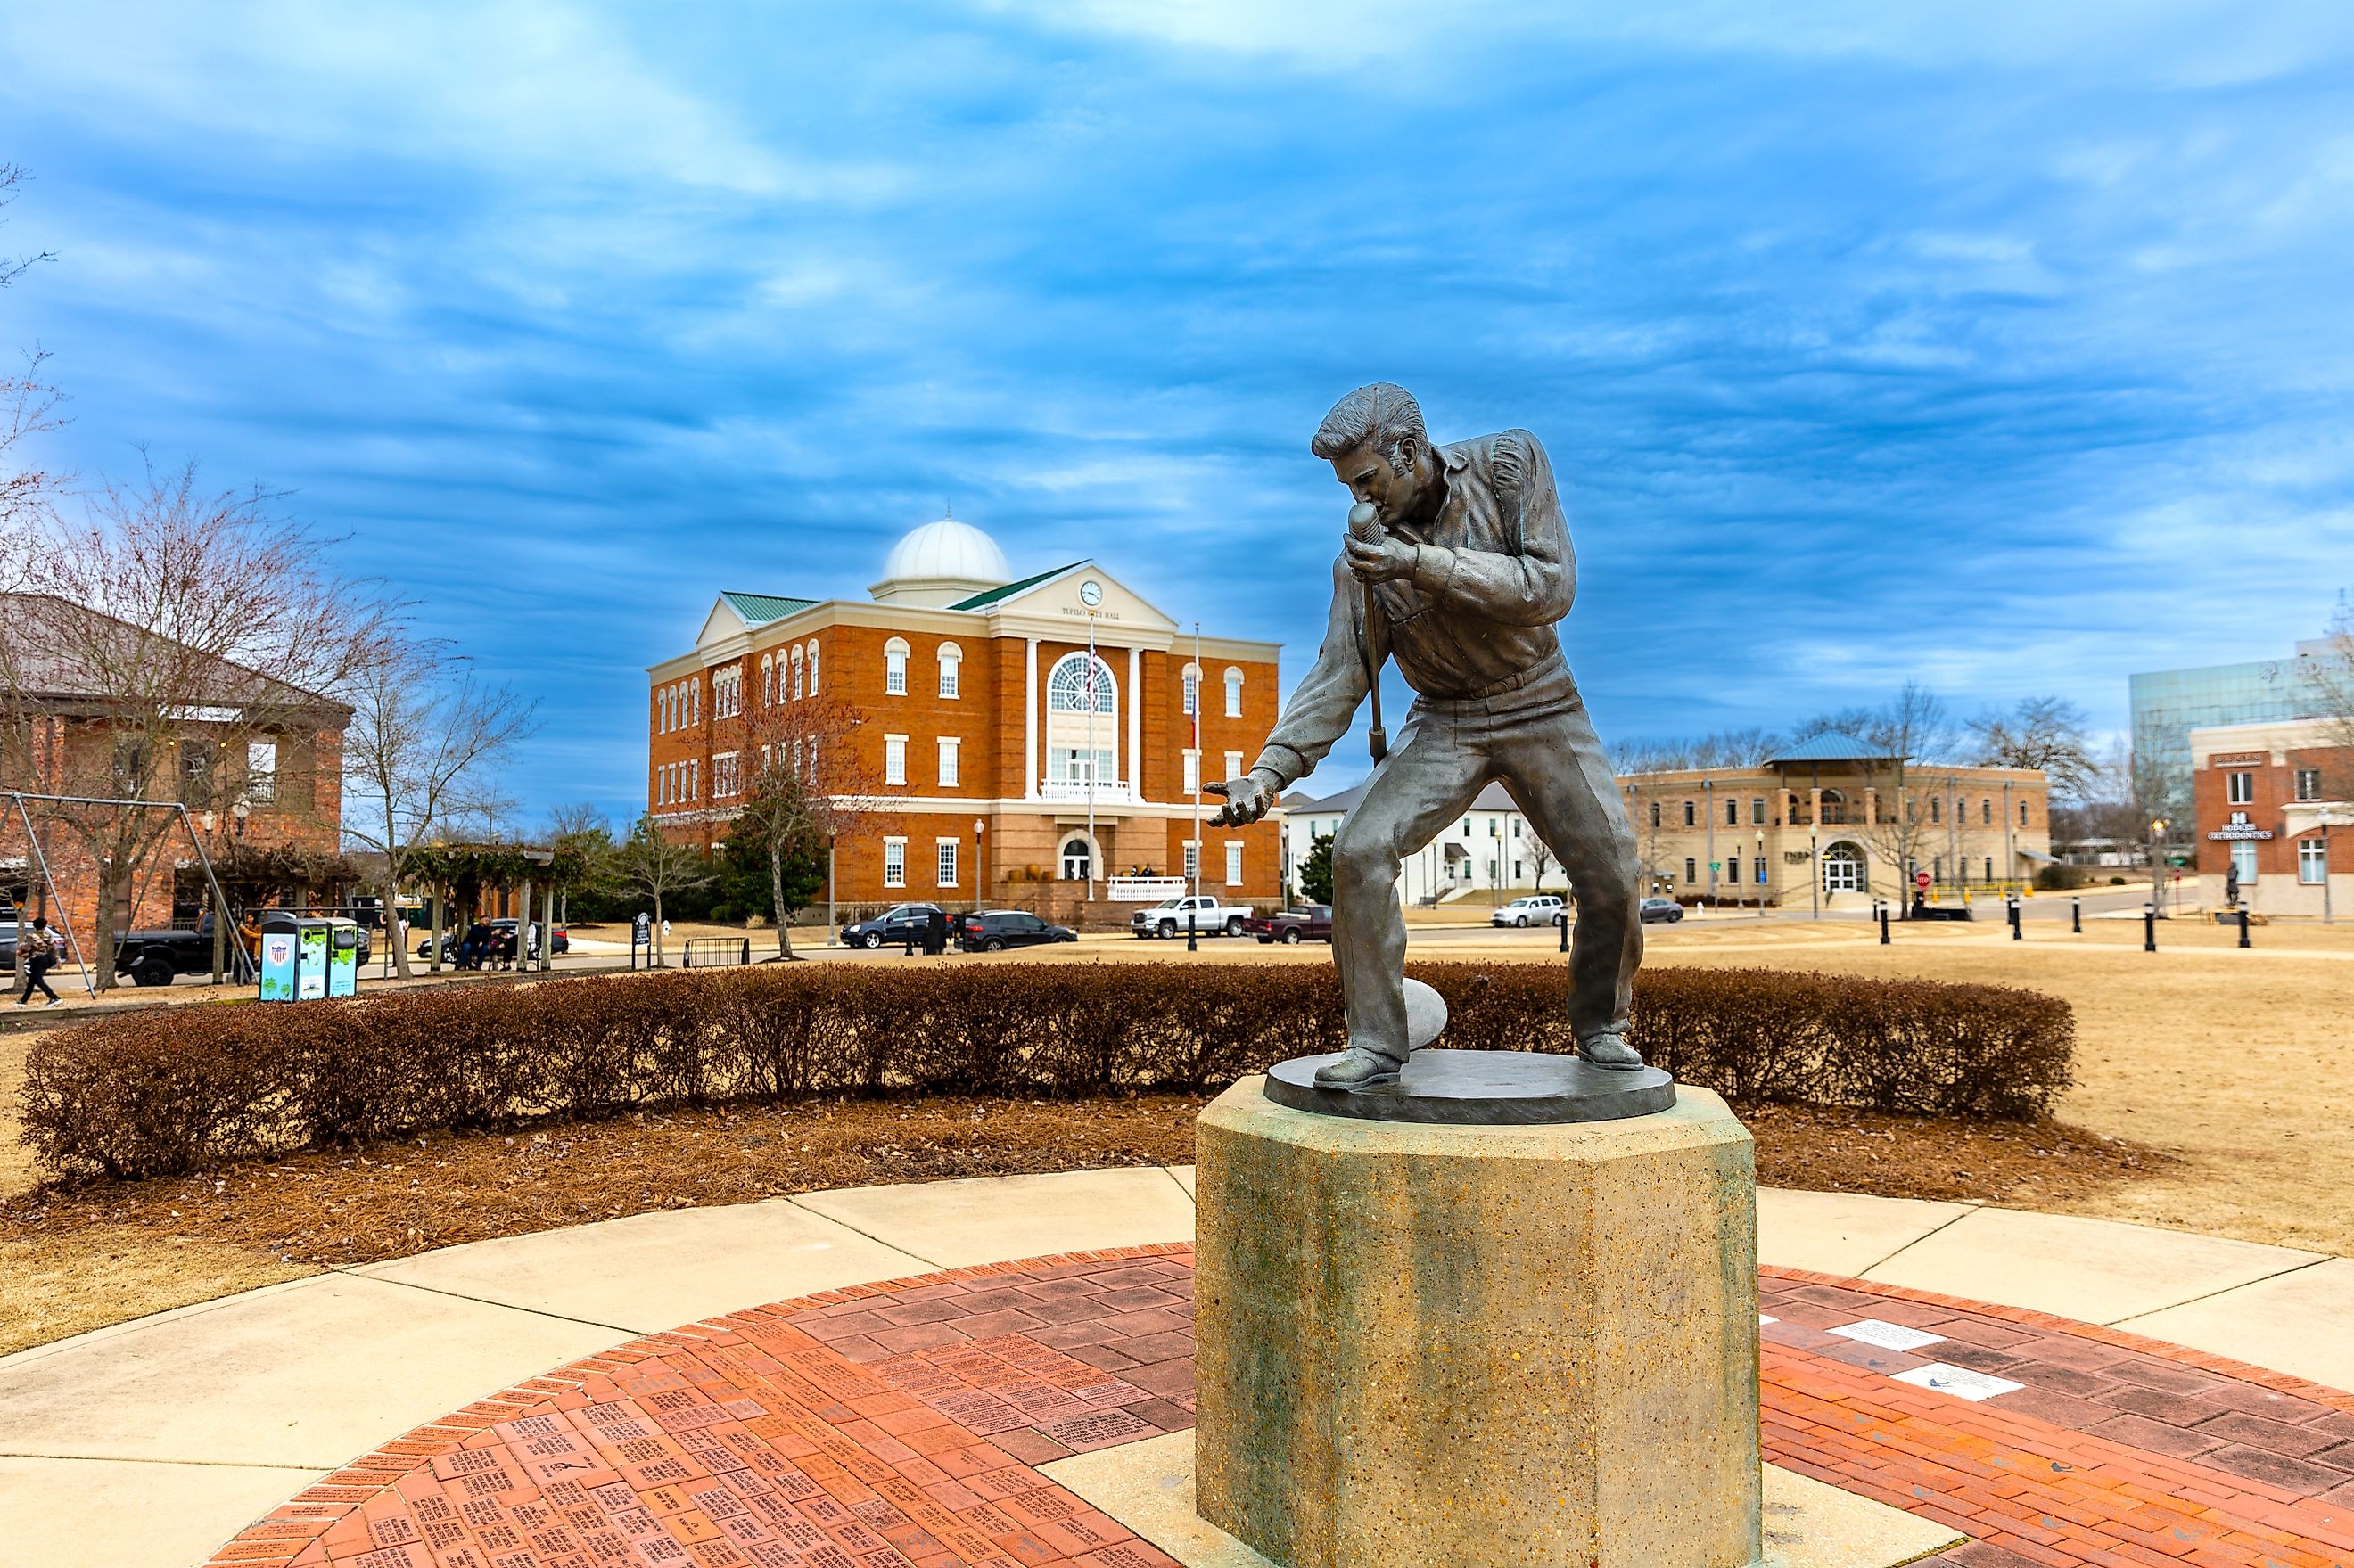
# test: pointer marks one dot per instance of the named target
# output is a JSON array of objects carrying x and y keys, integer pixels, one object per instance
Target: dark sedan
[
  {"x": 895, "y": 926},
  {"x": 1300, "y": 923},
  {"x": 1656, "y": 911},
  {"x": 994, "y": 931}
]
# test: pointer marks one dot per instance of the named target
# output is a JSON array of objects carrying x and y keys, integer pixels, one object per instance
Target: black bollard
[
  {"x": 1562, "y": 920},
  {"x": 1192, "y": 942},
  {"x": 2149, "y": 928},
  {"x": 2076, "y": 915},
  {"x": 2016, "y": 935},
  {"x": 2243, "y": 925},
  {"x": 1884, "y": 925}
]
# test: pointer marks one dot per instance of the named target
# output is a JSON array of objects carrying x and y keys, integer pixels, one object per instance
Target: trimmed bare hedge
[{"x": 168, "y": 1090}]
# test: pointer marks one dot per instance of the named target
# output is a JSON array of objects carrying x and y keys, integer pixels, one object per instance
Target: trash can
[
  {"x": 343, "y": 957},
  {"x": 294, "y": 955}
]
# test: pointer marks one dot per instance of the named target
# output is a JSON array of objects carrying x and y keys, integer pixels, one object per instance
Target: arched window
[
  {"x": 951, "y": 661},
  {"x": 1986, "y": 812},
  {"x": 797, "y": 674},
  {"x": 894, "y": 667},
  {"x": 1078, "y": 862},
  {"x": 1082, "y": 724},
  {"x": 1234, "y": 694},
  {"x": 812, "y": 666},
  {"x": 1655, "y": 813},
  {"x": 662, "y": 711},
  {"x": 1192, "y": 683},
  {"x": 1834, "y": 806},
  {"x": 767, "y": 680}
]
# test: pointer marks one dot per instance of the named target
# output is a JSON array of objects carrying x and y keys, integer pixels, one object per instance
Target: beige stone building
[{"x": 1836, "y": 818}]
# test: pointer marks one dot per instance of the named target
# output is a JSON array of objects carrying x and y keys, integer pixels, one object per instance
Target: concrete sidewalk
[{"x": 147, "y": 1444}]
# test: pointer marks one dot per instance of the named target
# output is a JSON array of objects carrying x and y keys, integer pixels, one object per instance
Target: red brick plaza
[{"x": 900, "y": 1424}]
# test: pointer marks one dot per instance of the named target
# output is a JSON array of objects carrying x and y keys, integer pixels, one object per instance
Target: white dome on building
[{"x": 941, "y": 563}]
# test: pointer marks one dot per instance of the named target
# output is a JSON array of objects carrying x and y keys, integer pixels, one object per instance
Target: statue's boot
[
  {"x": 1360, "y": 1068},
  {"x": 1610, "y": 1051}
]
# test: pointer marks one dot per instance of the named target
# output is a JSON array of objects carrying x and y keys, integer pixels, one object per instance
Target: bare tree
[
  {"x": 803, "y": 785},
  {"x": 425, "y": 737},
  {"x": 28, "y": 404},
  {"x": 2047, "y": 733},
  {"x": 174, "y": 646},
  {"x": 1910, "y": 732},
  {"x": 1539, "y": 859},
  {"x": 650, "y": 864}
]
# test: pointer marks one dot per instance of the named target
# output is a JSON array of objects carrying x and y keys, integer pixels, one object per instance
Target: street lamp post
[
  {"x": 2157, "y": 866},
  {"x": 1760, "y": 868}
]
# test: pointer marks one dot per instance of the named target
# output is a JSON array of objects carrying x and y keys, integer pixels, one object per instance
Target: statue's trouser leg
[
  {"x": 1434, "y": 772},
  {"x": 1550, "y": 760}
]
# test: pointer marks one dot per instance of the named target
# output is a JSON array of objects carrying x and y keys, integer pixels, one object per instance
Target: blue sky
[{"x": 2002, "y": 345}]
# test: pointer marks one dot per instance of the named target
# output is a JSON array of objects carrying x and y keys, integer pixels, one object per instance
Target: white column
[
  {"x": 1030, "y": 728},
  {"x": 1133, "y": 768}
]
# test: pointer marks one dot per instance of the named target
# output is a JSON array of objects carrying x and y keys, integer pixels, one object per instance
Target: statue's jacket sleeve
[{"x": 1493, "y": 573}]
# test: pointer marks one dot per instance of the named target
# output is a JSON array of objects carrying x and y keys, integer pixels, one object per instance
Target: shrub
[{"x": 167, "y": 1090}]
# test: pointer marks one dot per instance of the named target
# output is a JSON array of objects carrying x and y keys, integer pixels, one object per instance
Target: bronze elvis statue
[{"x": 1463, "y": 582}]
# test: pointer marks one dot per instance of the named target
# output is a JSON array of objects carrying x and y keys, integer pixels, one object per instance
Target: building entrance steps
[{"x": 152, "y": 1442}]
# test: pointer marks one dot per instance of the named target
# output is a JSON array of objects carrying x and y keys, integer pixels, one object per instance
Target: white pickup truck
[{"x": 1208, "y": 916}]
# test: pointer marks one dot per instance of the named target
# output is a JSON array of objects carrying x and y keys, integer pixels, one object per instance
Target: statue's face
[{"x": 1366, "y": 471}]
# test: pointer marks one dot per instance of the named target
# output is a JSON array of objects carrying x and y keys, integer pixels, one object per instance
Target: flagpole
[
  {"x": 1200, "y": 762},
  {"x": 1093, "y": 853}
]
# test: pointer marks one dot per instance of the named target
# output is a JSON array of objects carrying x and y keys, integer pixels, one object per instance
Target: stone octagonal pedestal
[{"x": 1451, "y": 1347}]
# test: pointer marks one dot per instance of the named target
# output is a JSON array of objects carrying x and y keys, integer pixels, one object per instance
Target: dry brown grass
[{"x": 2213, "y": 1097}]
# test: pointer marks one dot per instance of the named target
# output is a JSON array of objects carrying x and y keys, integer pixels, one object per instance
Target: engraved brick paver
[{"x": 899, "y": 1425}]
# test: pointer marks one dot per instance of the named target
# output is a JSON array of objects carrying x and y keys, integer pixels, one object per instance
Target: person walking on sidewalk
[{"x": 37, "y": 955}]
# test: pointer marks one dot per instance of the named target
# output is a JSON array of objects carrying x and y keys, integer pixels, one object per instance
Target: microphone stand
[{"x": 1366, "y": 527}]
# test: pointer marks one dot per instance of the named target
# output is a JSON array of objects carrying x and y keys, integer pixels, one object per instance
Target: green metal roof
[
  {"x": 983, "y": 600},
  {"x": 759, "y": 608},
  {"x": 1833, "y": 746}
]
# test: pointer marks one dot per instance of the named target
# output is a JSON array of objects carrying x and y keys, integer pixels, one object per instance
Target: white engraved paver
[
  {"x": 1959, "y": 1381},
  {"x": 1763, "y": 1320},
  {"x": 1887, "y": 1336}
]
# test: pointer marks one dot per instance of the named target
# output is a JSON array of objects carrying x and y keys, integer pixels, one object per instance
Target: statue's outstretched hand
[{"x": 1246, "y": 798}]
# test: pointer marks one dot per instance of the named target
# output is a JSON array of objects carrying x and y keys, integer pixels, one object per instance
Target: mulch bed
[{"x": 339, "y": 1208}]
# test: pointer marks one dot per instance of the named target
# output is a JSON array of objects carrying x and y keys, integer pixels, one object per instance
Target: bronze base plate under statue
[{"x": 1481, "y": 1088}]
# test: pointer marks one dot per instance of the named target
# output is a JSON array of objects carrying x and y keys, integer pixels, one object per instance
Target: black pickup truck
[{"x": 157, "y": 957}]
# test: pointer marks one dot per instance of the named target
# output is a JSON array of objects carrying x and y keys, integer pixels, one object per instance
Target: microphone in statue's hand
[{"x": 1365, "y": 522}]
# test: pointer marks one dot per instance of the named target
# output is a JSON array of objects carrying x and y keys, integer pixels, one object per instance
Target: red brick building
[
  {"x": 2275, "y": 799},
  {"x": 258, "y": 764},
  {"x": 987, "y": 727}
]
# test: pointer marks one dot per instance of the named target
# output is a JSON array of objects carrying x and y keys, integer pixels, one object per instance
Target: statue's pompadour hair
[{"x": 1383, "y": 413}]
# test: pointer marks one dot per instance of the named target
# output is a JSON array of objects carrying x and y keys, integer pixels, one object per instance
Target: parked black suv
[
  {"x": 895, "y": 926},
  {"x": 994, "y": 931}
]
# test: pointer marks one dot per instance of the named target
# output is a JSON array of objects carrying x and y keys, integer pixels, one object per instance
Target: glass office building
[{"x": 2168, "y": 705}]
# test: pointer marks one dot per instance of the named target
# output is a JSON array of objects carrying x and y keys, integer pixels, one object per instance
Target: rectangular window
[
  {"x": 1989, "y": 868},
  {"x": 1732, "y": 812},
  {"x": 1193, "y": 773},
  {"x": 262, "y": 772},
  {"x": 948, "y": 868},
  {"x": 2309, "y": 783},
  {"x": 948, "y": 669},
  {"x": 2240, "y": 788},
  {"x": 694, "y": 780},
  {"x": 2243, "y": 861},
  {"x": 895, "y": 862},
  {"x": 947, "y": 759},
  {"x": 1690, "y": 814},
  {"x": 1234, "y": 694},
  {"x": 723, "y": 776},
  {"x": 1759, "y": 875},
  {"x": 1234, "y": 863},
  {"x": 1234, "y": 764},
  {"x": 1190, "y": 696},
  {"x": 1193, "y": 861},
  {"x": 2312, "y": 861},
  {"x": 1757, "y": 810},
  {"x": 2022, "y": 813},
  {"x": 895, "y": 760},
  {"x": 1691, "y": 869}
]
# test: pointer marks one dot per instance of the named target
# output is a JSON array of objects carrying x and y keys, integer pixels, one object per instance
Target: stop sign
[{"x": 1921, "y": 880}]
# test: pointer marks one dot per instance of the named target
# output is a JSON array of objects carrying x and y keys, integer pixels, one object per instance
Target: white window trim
[
  {"x": 2312, "y": 853},
  {"x": 951, "y": 761},
  {"x": 951, "y": 659},
  {"x": 895, "y": 653},
  {"x": 888, "y": 845},
  {"x": 894, "y": 747},
  {"x": 1233, "y": 862},
  {"x": 1193, "y": 783},
  {"x": 1234, "y": 694},
  {"x": 951, "y": 853},
  {"x": 812, "y": 667}
]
